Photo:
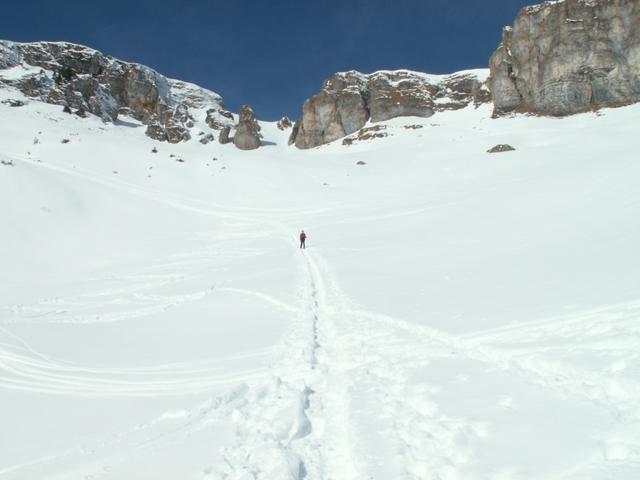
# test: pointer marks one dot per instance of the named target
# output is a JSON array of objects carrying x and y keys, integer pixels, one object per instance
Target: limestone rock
[
  {"x": 247, "y": 136},
  {"x": 86, "y": 80},
  {"x": 224, "y": 136},
  {"x": 563, "y": 57},
  {"x": 339, "y": 109},
  {"x": 348, "y": 100}
]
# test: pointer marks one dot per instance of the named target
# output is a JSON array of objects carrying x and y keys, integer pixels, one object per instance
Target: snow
[
  {"x": 20, "y": 71},
  {"x": 457, "y": 314},
  {"x": 549, "y": 3},
  {"x": 481, "y": 74},
  {"x": 193, "y": 95}
]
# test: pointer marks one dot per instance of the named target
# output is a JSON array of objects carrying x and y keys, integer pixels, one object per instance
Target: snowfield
[{"x": 457, "y": 315}]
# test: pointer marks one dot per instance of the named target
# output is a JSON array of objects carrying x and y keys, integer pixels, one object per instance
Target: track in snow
[{"x": 343, "y": 400}]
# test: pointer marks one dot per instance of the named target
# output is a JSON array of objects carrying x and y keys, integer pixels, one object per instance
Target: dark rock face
[
  {"x": 348, "y": 100},
  {"x": 568, "y": 56},
  {"x": 247, "y": 136},
  {"x": 86, "y": 80}
]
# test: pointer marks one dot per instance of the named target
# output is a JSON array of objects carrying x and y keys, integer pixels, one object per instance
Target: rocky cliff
[
  {"x": 566, "y": 56},
  {"x": 348, "y": 100},
  {"x": 85, "y": 80}
]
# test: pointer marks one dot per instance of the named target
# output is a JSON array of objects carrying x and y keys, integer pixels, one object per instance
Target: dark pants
[{"x": 302, "y": 245}]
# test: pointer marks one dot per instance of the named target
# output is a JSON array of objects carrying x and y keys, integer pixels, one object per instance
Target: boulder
[
  {"x": 503, "y": 147},
  {"x": 564, "y": 57},
  {"x": 284, "y": 123},
  {"x": 208, "y": 138},
  {"x": 400, "y": 94},
  {"x": 247, "y": 135}
]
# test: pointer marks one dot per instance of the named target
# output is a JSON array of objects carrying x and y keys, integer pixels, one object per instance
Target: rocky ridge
[
  {"x": 85, "y": 80},
  {"x": 566, "y": 56},
  {"x": 560, "y": 57},
  {"x": 348, "y": 100}
]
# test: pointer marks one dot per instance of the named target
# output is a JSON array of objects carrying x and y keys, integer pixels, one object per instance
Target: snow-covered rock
[
  {"x": 82, "y": 78},
  {"x": 349, "y": 99},
  {"x": 284, "y": 123}
]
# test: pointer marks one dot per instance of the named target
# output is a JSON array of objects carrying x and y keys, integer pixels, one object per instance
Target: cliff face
[
  {"x": 85, "y": 80},
  {"x": 348, "y": 100},
  {"x": 566, "y": 56}
]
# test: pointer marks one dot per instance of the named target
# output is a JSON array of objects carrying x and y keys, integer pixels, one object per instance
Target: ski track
[
  {"x": 306, "y": 416},
  {"x": 302, "y": 417}
]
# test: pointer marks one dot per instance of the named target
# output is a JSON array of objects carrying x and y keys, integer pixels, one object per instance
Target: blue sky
[{"x": 271, "y": 54}]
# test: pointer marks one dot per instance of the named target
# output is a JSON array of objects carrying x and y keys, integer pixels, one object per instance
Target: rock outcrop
[
  {"x": 284, "y": 123},
  {"x": 224, "y": 135},
  {"x": 247, "y": 136},
  {"x": 377, "y": 131},
  {"x": 566, "y": 56},
  {"x": 348, "y": 100},
  {"x": 85, "y": 80}
]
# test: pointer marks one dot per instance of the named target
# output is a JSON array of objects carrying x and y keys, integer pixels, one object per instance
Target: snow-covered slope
[{"x": 457, "y": 314}]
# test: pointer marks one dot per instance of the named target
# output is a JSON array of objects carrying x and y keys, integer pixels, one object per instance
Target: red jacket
[{"x": 303, "y": 236}]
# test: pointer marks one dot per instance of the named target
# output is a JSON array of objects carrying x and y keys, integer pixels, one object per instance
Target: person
[{"x": 303, "y": 238}]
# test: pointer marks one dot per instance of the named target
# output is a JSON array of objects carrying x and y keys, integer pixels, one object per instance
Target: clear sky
[{"x": 271, "y": 54}]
